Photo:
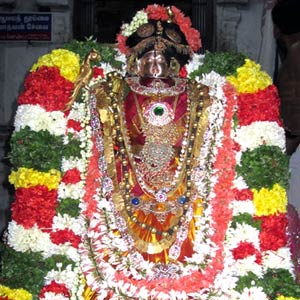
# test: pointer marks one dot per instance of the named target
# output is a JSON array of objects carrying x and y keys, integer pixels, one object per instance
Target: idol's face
[{"x": 153, "y": 64}]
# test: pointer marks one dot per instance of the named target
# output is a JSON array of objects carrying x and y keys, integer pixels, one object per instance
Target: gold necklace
[
  {"x": 159, "y": 129},
  {"x": 148, "y": 189},
  {"x": 125, "y": 157},
  {"x": 122, "y": 203}
]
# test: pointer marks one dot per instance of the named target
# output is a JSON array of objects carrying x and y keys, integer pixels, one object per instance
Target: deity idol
[{"x": 179, "y": 178}]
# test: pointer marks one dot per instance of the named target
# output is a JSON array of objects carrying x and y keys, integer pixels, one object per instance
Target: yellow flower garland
[
  {"x": 286, "y": 298},
  {"x": 250, "y": 78},
  {"x": 14, "y": 294},
  {"x": 68, "y": 63},
  {"x": 26, "y": 178},
  {"x": 268, "y": 202}
]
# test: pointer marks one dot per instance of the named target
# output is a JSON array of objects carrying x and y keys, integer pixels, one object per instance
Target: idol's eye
[
  {"x": 145, "y": 30},
  {"x": 173, "y": 35}
]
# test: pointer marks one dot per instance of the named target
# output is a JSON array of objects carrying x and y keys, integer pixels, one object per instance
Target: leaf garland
[
  {"x": 40, "y": 150},
  {"x": 263, "y": 167},
  {"x": 82, "y": 48},
  {"x": 275, "y": 282},
  {"x": 72, "y": 148},
  {"x": 27, "y": 270},
  {"x": 224, "y": 63},
  {"x": 246, "y": 219},
  {"x": 23, "y": 270},
  {"x": 69, "y": 206}
]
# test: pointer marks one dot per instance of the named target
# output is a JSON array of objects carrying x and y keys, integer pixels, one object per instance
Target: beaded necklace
[
  {"x": 161, "y": 194},
  {"x": 167, "y": 236}
]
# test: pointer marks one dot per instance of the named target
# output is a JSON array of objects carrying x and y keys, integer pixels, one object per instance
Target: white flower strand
[
  {"x": 104, "y": 240},
  {"x": 260, "y": 133},
  {"x": 139, "y": 19},
  {"x": 37, "y": 119}
]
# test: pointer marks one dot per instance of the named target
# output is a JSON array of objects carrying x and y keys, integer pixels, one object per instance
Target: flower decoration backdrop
[{"x": 44, "y": 256}]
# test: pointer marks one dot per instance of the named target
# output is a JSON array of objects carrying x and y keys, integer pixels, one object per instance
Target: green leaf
[
  {"x": 69, "y": 206},
  {"x": 263, "y": 167},
  {"x": 22, "y": 270},
  {"x": 38, "y": 150},
  {"x": 224, "y": 63},
  {"x": 107, "y": 52},
  {"x": 246, "y": 219}
]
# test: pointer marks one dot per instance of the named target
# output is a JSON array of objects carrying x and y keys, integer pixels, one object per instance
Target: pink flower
[{"x": 121, "y": 40}]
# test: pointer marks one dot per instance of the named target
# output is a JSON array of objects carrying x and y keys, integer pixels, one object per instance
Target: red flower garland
[
  {"x": 54, "y": 287},
  {"x": 98, "y": 72},
  {"x": 92, "y": 183},
  {"x": 65, "y": 236},
  {"x": 192, "y": 35},
  {"x": 273, "y": 232},
  {"x": 71, "y": 176},
  {"x": 245, "y": 249},
  {"x": 242, "y": 195},
  {"x": 159, "y": 12},
  {"x": 47, "y": 88},
  {"x": 260, "y": 106},
  {"x": 121, "y": 41},
  {"x": 34, "y": 205},
  {"x": 76, "y": 125}
]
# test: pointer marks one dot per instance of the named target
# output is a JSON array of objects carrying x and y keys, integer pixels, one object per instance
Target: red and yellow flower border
[{"x": 54, "y": 74}]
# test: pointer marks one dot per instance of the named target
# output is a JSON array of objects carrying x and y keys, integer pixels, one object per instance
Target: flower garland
[
  {"x": 190, "y": 273},
  {"x": 252, "y": 257},
  {"x": 36, "y": 226},
  {"x": 239, "y": 244},
  {"x": 268, "y": 244},
  {"x": 67, "y": 62},
  {"x": 158, "y": 12}
]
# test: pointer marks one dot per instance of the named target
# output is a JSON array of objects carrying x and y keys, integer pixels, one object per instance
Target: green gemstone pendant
[{"x": 158, "y": 111}]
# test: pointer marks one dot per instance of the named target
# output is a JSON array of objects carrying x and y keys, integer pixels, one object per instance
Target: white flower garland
[
  {"x": 100, "y": 231},
  {"x": 54, "y": 296},
  {"x": 61, "y": 222},
  {"x": 260, "y": 133},
  {"x": 71, "y": 277},
  {"x": 30, "y": 239},
  {"x": 280, "y": 259},
  {"x": 37, "y": 119},
  {"x": 139, "y": 19},
  {"x": 102, "y": 225},
  {"x": 242, "y": 207},
  {"x": 74, "y": 191}
]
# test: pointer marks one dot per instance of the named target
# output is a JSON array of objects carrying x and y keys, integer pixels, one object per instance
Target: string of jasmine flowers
[{"x": 103, "y": 223}]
